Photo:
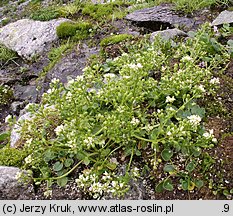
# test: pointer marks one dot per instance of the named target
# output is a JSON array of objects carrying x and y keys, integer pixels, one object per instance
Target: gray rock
[
  {"x": 159, "y": 17},
  {"x": 28, "y": 37},
  {"x": 225, "y": 17},
  {"x": 25, "y": 93},
  {"x": 11, "y": 187},
  {"x": 168, "y": 34},
  {"x": 15, "y": 133},
  {"x": 16, "y": 106},
  {"x": 71, "y": 65}
]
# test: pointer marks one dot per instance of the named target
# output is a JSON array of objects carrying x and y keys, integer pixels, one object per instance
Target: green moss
[
  {"x": 77, "y": 31},
  {"x": 6, "y": 54},
  {"x": 102, "y": 12},
  {"x": 12, "y": 157},
  {"x": 114, "y": 39},
  {"x": 46, "y": 14}
]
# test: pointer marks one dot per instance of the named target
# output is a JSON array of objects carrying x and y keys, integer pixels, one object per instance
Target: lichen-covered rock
[
  {"x": 29, "y": 38},
  {"x": 11, "y": 187},
  {"x": 159, "y": 17},
  {"x": 225, "y": 17},
  {"x": 168, "y": 34}
]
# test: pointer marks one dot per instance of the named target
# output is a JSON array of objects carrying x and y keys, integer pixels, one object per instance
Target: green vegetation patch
[
  {"x": 146, "y": 109},
  {"x": 6, "y": 55},
  {"x": 12, "y": 157},
  {"x": 114, "y": 39},
  {"x": 77, "y": 31},
  {"x": 6, "y": 94},
  {"x": 102, "y": 12},
  {"x": 45, "y": 14}
]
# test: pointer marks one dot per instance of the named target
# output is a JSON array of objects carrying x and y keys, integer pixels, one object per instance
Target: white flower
[
  {"x": 70, "y": 82},
  {"x": 169, "y": 133},
  {"x": 125, "y": 77},
  {"x": 55, "y": 80},
  {"x": 80, "y": 77},
  {"x": 201, "y": 87},
  {"x": 135, "y": 172},
  {"x": 28, "y": 106},
  {"x": 89, "y": 142},
  {"x": 170, "y": 99},
  {"x": 186, "y": 58},
  {"x": 29, "y": 141},
  {"x": 135, "y": 66},
  {"x": 134, "y": 121},
  {"x": 51, "y": 90},
  {"x": 194, "y": 119},
  {"x": 18, "y": 175},
  {"x": 215, "y": 81},
  {"x": 215, "y": 29},
  {"x": 214, "y": 140},
  {"x": 28, "y": 159},
  {"x": 8, "y": 118},
  {"x": 209, "y": 135},
  {"x": 58, "y": 130}
]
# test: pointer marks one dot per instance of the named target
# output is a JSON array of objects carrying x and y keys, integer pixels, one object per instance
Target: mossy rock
[
  {"x": 12, "y": 157},
  {"x": 114, "y": 39},
  {"x": 77, "y": 31}
]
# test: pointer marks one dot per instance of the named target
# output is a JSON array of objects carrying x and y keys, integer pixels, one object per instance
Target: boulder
[
  {"x": 29, "y": 38},
  {"x": 25, "y": 93},
  {"x": 11, "y": 187},
  {"x": 225, "y": 17},
  {"x": 160, "y": 17},
  {"x": 168, "y": 34},
  {"x": 71, "y": 65}
]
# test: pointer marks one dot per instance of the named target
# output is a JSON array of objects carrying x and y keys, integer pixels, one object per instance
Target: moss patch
[
  {"x": 11, "y": 157},
  {"x": 45, "y": 14},
  {"x": 77, "y": 31},
  {"x": 6, "y": 54},
  {"x": 114, "y": 39}
]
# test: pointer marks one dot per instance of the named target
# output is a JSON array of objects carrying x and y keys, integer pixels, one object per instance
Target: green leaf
[
  {"x": 86, "y": 161},
  {"x": 231, "y": 191},
  {"x": 4, "y": 136},
  {"x": 190, "y": 166},
  {"x": 169, "y": 168},
  {"x": 68, "y": 162},
  {"x": 105, "y": 152},
  {"x": 167, "y": 185},
  {"x": 111, "y": 166},
  {"x": 196, "y": 151},
  {"x": 49, "y": 155},
  {"x": 183, "y": 114},
  {"x": 166, "y": 154},
  {"x": 226, "y": 193},
  {"x": 57, "y": 166},
  {"x": 159, "y": 187},
  {"x": 184, "y": 185},
  {"x": 138, "y": 153},
  {"x": 199, "y": 183},
  {"x": 230, "y": 43},
  {"x": 197, "y": 110},
  {"x": 62, "y": 181}
]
